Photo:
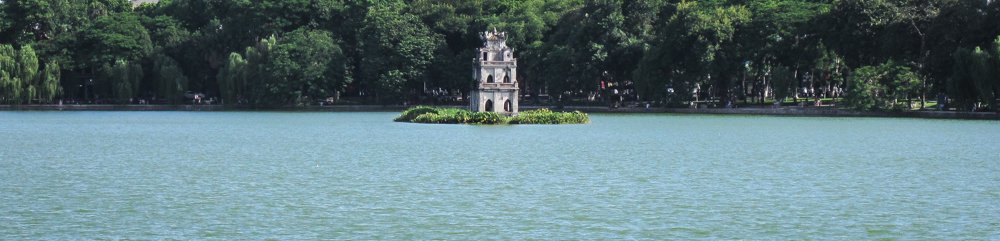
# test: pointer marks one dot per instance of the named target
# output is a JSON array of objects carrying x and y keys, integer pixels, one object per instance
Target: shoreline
[{"x": 783, "y": 111}]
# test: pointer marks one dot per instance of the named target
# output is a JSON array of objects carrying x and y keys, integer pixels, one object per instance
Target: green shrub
[
  {"x": 412, "y": 113},
  {"x": 490, "y": 118},
  {"x": 546, "y": 116},
  {"x": 425, "y": 114}
]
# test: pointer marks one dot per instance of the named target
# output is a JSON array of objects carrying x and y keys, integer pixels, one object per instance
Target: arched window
[
  {"x": 506, "y": 79},
  {"x": 507, "y": 106},
  {"x": 489, "y": 106},
  {"x": 486, "y": 56},
  {"x": 489, "y": 79}
]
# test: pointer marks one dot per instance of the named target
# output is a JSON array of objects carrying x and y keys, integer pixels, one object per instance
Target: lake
[{"x": 360, "y": 176}]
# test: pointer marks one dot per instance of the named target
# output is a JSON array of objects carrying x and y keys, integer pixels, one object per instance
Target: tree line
[{"x": 875, "y": 54}]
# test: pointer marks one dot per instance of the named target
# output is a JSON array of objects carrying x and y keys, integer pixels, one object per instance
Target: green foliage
[
  {"x": 994, "y": 65},
  {"x": 425, "y": 114},
  {"x": 10, "y": 84},
  {"x": 433, "y": 115},
  {"x": 166, "y": 33},
  {"x": 49, "y": 86},
  {"x": 303, "y": 65},
  {"x": 864, "y": 90},
  {"x": 961, "y": 85},
  {"x": 456, "y": 116},
  {"x": 124, "y": 79},
  {"x": 27, "y": 72},
  {"x": 115, "y": 37},
  {"x": 5, "y": 21},
  {"x": 232, "y": 78},
  {"x": 398, "y": 49},
  {"x": 546, "y": 116},
  {"x": 690, "y": 49},
  {"x": 975, "y": 76},
  {"x": 169, "y": 79},
  {"x": 411, "y": 113},
  {"x": 781, "y": 79},
  {"x": 19, "y": 78},
  {"x": 882, "y": 87},
  {"x": 983, "y": 74},
  {"x": 296, "y": 51},
  {"x": 258, "y": 59}
]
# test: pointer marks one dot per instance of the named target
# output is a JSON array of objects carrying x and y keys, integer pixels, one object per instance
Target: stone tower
[{"x": 496, "y": 76}]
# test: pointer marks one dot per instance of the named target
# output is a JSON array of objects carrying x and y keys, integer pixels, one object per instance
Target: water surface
[{"x": 359, "y": 176}]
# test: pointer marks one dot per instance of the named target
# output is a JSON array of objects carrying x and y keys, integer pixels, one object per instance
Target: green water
[{"x": 359, "y": 176}]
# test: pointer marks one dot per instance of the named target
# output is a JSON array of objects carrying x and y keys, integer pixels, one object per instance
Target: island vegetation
[
  {"x": 437, "y": 115},
  {"x": 859, "y": 54}
]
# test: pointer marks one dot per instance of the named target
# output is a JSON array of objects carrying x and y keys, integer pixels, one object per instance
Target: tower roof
[{"x": 494, "y": 39}]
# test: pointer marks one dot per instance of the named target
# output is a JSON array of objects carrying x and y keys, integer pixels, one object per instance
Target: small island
[
  {"x": 495, "y": 72},
  {"x": 436, "y": 115}
]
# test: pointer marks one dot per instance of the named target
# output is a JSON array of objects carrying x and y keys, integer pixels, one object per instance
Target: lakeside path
[{"x": 783, "y": 111}]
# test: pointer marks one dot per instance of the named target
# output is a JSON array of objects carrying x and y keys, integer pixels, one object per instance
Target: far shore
[{"x": 781, "y": 111}]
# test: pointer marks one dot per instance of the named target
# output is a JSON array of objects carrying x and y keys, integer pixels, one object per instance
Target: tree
[
  {"x": 232, "y": 78},
  {"x": 781, "y": 79},
  {"x": 123, "y": 79},
  {"x": 961, "y": 86},
  {"x": 693, "y": 50},
  {"x": 169, "y": 78},
  {"x": 983, "y": 76},
  {"x": 902, "y": 83},
  {"x": 881, "y": 87},
  {"x": 27, "y": 72},
  {"x": 865, "y": 90},
  {"x": 916, "y": 17},
  {"x": 995, "y": 67},
  {"x": 398, "y": 49},
  {"x": 389, "y": 49},
  {"x": 906, "y": 84},
  {"x": 49, "y": 86},
  {"x": 5, "y": 23},
  {"x": 827, "y": 71},
  {"x": 301, "y": 65},
  {"x": 258, "y": 59},
  {"x": 10, "y": 84},
  {"x": 854, "y": 27},
  {"x": 167, "y": 34},
  {"x": 958, "y": 25},
  {"x": 777, "y": 34},
  {"x": 306, "y": 64},
  {"x": 115, "y": 37}
]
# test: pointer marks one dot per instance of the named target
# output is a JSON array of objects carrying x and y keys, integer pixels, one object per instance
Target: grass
[{"x": 434, "y": 115}]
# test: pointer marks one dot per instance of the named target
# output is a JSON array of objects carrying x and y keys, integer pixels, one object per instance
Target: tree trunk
[
  {"x": 798, "y": 84},
  {"x": 922, "y": 64}
]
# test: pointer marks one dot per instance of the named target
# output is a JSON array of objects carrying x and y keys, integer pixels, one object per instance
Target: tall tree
[
  {"x": 306, "y": 64},
  {"x": 961, "y": 85},
  {"x": 994, "y": 65},
  {"x": 983, "y": 75},
  {"x": 49, "y": 86},
  {"x": 27, "y": 72},
  {"x": 10, "y": 83},
  {"x": 690, "y": 50},
  {"x": 169, "y": 79},
  {"x": 259, "y": 58},
  {"x": 232, "y": 78},
  {"x": 115, "y": 37},
  {"x": 398, "y": 49}
]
